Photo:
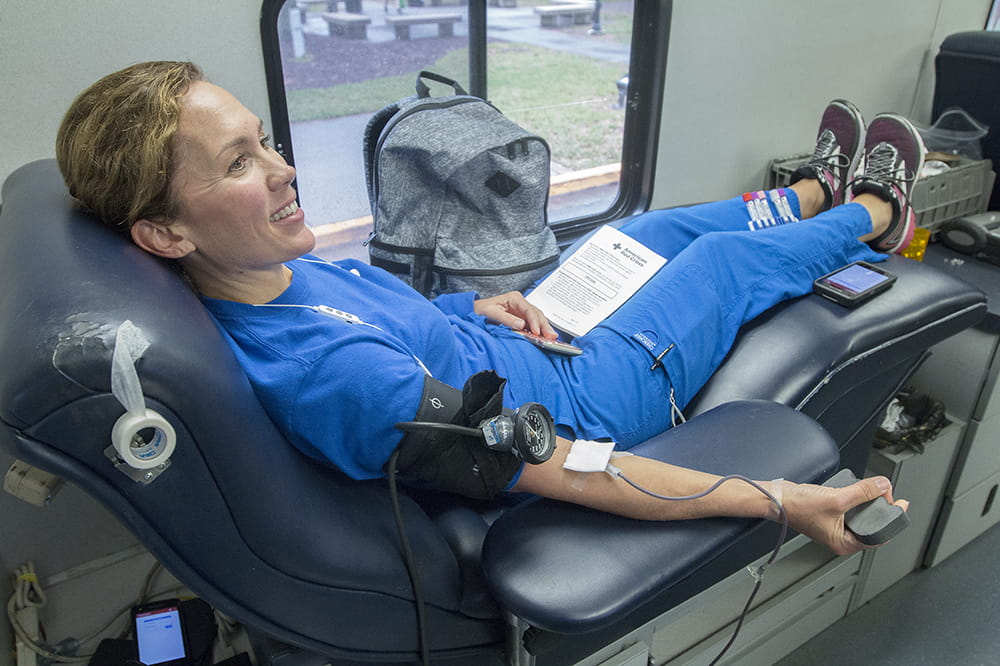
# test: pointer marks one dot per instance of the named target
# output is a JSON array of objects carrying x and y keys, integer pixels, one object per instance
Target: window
[{"x": 587, "y": 82}]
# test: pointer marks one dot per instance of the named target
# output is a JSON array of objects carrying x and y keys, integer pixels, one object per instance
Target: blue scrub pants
[{"x": 719, "y": 275}]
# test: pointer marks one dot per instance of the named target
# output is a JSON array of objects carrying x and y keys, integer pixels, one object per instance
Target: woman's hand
[
  {"x": 818, "y": 511},
  {"x": 515, "y": 312}
]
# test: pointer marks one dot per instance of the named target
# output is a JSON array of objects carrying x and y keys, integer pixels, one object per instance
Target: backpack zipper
[
  {"x": 486, "y": 272},
  {"x": 402, "y": 249}
]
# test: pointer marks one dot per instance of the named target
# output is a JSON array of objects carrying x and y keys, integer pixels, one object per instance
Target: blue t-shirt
[{"x": 336, "y": 389}]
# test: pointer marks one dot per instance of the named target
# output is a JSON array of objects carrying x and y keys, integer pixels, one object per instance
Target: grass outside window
[{"x": 567, "y": 99}]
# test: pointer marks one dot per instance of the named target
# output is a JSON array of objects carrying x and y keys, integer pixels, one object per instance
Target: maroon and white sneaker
[
  {"x": 839, "y": 145},
  {"x": 894, "y": 155}
]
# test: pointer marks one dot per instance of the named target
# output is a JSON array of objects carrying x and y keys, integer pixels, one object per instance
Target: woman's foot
[
  {"x": 894, "y": 154},
  {"x": 839, "y": 145}
]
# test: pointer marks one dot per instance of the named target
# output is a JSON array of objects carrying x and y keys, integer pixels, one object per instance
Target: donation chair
[{"x": 308, "y": 559}]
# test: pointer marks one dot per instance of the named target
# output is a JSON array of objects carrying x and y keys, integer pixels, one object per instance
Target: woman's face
[{"x": 236, "y": 207}]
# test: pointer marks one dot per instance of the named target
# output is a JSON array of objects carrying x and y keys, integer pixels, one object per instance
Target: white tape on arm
[
  {"x": 774, "y": 509},
  {"x": 587, "y": 456}
]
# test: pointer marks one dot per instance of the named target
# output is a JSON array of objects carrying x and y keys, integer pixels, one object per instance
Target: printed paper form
[{"x": 595, "y": 281}]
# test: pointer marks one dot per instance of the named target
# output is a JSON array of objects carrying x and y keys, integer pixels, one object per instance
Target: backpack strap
[
  {"x": 423, "y": 91},
  {"x": 377, "y": 123},
  {"x": 373, "y": 130}
]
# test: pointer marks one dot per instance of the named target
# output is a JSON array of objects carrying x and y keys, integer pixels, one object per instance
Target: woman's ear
[{"x": 161, "y": 239}]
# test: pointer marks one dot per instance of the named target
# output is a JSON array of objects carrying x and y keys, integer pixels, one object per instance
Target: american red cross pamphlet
[{"x": 595, "y": 281}]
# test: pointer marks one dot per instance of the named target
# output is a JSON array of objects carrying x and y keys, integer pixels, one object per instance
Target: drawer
[
  {"x": 777, "y": 625},
  {"x": 963, "y": 518},
  {"x": 979, "y": 458},
  {"x": 957, "y": 371},
  {"x": 989, "y": 401}
]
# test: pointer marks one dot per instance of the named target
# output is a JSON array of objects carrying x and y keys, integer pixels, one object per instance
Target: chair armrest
[{"x": 570, "y": 570}]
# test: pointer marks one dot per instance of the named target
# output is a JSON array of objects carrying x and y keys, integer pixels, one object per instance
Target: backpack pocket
[
  {"x": 412, "y": 265},
  {"x": 508, "y": 264}
]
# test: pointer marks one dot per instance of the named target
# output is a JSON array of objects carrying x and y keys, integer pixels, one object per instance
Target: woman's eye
[
  {"x": 238, "y": 164},
  {"x": 265, "y": 141}
]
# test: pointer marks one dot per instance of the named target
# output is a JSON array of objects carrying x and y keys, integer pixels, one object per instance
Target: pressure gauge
[
  {"x": 528, "y": 433},
  {"x": 534, "y": 433}
]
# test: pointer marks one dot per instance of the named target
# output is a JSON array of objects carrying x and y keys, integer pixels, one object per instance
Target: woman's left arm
[{"x": 816, "y": 511}]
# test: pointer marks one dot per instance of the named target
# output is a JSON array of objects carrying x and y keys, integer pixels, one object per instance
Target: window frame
[
  {"x": 993, "y": 17},
  {"x": 647, "y": 69}
]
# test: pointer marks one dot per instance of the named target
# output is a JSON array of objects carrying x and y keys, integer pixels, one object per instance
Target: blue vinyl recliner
[{"x": 307, "y": 557}]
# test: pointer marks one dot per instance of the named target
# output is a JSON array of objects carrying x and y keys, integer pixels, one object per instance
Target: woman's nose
[{"x": 281, "y": 174}]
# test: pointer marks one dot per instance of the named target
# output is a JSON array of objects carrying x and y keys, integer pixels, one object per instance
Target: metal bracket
[{"x": 143, "y": 476}]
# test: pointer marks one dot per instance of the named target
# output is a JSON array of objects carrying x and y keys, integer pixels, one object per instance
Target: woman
[{"x": 187, "y": 172}]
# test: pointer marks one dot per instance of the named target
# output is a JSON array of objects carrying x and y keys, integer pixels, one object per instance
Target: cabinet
[
  {"x": 952, "y": 486},
  {"x": 806, "y": 590},
  {"x": 921, "y": 478},
  {"x": 963, "y": 373}
]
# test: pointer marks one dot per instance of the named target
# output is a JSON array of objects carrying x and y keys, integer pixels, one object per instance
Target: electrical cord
[
  {"x": 28, "y": 593},
  {"x": 411, "y": 565},
  {"x": 758, "y": 574}
]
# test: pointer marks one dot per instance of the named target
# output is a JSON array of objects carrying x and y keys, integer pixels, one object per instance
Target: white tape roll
[{"x": 143, "y": 452}]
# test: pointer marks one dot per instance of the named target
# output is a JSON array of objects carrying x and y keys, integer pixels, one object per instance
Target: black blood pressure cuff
[{"x": 452, "y": 461}]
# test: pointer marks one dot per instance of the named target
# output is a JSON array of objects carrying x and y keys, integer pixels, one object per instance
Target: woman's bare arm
[{"x": 816, "y": 511}]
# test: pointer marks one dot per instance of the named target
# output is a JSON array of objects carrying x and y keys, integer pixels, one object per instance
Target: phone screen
[
  {"x": 854, "y": 284},
  {"x": 159, "y": 635},
  {"x": 855, "y": 278}
]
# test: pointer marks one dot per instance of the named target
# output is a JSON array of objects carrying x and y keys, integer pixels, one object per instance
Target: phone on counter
[
  {"x": 552, "y": 345},
  {"x": 159, "y": 633},
  {"x": 854, "y": 284}
]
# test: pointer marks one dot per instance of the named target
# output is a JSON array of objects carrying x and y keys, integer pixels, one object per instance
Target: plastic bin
[
  {"x": 955, "y": 132},
  {"x": 963, "y": 189}
]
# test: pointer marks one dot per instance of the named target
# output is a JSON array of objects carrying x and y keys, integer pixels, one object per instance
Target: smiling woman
[
  {"x": 183, "y": 168},
  {"x": 228, "y": 183}
]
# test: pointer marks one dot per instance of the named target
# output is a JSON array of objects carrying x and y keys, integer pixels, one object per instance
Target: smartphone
[
  {"x": 552, "y": 345},
  {"x": 159, "y": 632},
  {"x": 854, "y": 284}
]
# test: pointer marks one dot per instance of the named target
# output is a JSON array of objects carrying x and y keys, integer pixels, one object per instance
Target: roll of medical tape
[{"x": 139, "y": 451}]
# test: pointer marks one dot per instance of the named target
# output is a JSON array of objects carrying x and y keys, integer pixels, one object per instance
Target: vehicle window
[{"x": 559, "y": 70}]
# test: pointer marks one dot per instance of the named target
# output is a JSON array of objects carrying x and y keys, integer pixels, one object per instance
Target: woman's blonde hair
[{"x": 115, "y": 143}]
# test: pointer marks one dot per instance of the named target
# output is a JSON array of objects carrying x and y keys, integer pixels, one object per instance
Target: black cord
[
  {"x": 411, "y": 565},
  {"x": 759, "y": 574},
  {"x": 414, "y": 426}
]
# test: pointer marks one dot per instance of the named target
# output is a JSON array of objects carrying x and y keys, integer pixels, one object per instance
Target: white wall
[
  {"x": 746, "y": 86},
  {"x": 52, "y": 49}
]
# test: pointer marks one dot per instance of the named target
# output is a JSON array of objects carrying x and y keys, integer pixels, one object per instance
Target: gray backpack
[{"x": 458, "y": 195}]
